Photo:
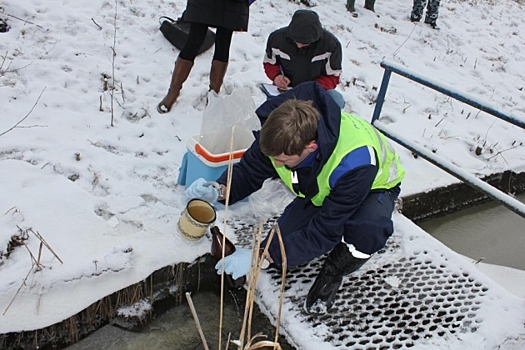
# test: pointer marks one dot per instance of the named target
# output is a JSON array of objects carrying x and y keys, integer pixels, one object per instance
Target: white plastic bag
[{"x": 223, "y": 113}]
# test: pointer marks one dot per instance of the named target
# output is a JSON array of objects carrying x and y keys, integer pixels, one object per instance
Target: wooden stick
[
  {"x": 196, "y": 319},
  {"x": 283, "y": 280},
  {"x": 226, "y": 203},
  {"x": 255, "y": 272}
]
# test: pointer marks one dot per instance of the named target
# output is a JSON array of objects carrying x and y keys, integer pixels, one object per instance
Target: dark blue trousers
[{"x": 368, "y": 229}]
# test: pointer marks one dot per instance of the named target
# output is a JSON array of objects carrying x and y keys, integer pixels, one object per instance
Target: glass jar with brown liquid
[{"x": 216, "y": 250}]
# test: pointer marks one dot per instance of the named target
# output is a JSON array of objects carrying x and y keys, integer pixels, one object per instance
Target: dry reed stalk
[
  {"x": 113, "y": 49},
  {"x": 39, "y": 236},
  {"x": 283, "y": 279},
  {"x": 262, "y": 343},
  {"x": 226, "y": 203},
  {"x": 33, "y": 259},
  {"x": 103, "y": 308},
  {"x": 254, "y": 275},
  {"x": 196, "y": 319},
  {"x": 89, "y": 317},
  {"x": 72, "y": 329},
  {"x": 257, "y": 238},
  {"x": 27, "y": 115},
  {"x": 178, "y": 279},
  {"x": 18, "y": 291},
  {"x": 151, "y": 291}
]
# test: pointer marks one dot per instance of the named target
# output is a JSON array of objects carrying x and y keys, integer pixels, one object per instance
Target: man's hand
[
  {"x": 281, "y": 81},
  {"x": 202, "y": 189},
  {"x": 238, "y": 264}
]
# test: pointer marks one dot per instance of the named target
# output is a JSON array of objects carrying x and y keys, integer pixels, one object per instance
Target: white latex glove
[
  {"x": 203, "y": 189},
  {"x": 237, "y": 264}
]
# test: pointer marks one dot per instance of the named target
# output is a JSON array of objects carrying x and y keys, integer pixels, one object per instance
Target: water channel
[
  {"x": 489, "y": 231},
  {"x": 176, "y": 329}
]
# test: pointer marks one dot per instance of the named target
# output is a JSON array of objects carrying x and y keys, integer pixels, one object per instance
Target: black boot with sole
[{"x": 340, "y": 262}]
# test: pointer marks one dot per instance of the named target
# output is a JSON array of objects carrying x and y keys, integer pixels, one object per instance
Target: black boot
[
  {"x": 431, "y": 20},
  {"x": 414, "y": 17},
  {"x": 369, "y": 5},
  {"x": 350, "y": 6},
  {"x": 340, "y": 262}
]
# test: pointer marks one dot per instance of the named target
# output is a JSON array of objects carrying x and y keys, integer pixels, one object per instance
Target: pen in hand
[{"x": 281, "y": 80}]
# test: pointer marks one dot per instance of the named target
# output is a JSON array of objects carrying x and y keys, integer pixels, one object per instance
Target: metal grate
[{"x": 386, "y": 304}]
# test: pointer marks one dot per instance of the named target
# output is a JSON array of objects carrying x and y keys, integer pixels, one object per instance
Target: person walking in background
[
  {"x": 304, "y": 51},
  {"x": 225, "y": 15},
  {"x": 350, "y": 6},
  {"x": 346, "y": 177},
  {"x": 432, "y": 11}
]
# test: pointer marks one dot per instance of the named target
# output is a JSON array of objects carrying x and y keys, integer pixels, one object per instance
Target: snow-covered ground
[{"x": 88, "y": 164}]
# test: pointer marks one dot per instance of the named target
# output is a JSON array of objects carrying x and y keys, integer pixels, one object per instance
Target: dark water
[
  {"x": 489, "y": 231},
  {"x": 176, "y": 330}
]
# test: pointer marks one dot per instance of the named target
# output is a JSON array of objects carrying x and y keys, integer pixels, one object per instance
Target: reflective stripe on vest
[{"x": 360, "y": 133}]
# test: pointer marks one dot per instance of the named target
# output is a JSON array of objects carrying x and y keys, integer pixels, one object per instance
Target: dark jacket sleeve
[
  {"x": 270, "y": 64},
  {"x": 249, "y": 174},
  {"x": 335, "y": 64},
  {"x": 305, "y": 91},
  {"x": 326, "y": 229}
]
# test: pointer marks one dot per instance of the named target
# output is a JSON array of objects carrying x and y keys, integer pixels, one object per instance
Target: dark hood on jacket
[{"x": 305, "y": 27}]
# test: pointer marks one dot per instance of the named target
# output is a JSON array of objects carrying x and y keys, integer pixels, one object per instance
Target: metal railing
[{"x": 492, "y": 192}]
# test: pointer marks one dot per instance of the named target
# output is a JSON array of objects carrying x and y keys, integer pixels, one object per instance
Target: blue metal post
[
  {"x": 382, "y": 93},
  {"x": 506, "y": 200},
  {"x": 447, "y": 90}
]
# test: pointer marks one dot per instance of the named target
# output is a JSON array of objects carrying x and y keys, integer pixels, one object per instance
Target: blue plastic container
[{"x": 199, "y": 162}]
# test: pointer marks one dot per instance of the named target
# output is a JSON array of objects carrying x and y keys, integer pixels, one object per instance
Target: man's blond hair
[{"x": 289, "y": 128}]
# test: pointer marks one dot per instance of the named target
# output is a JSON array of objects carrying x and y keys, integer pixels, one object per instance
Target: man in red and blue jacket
[{"x": 304, "y": 51}]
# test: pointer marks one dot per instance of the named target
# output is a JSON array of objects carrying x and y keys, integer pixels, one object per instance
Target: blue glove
[
  {"x": 237, "y": 264},
  {"x": 202, "y": 189}
]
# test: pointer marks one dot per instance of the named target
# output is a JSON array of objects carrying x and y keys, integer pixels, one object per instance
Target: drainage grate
[{"x": 386, "y": 304}]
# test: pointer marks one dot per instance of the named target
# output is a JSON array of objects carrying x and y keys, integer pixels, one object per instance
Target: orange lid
[{"x": 216, "y": 158}]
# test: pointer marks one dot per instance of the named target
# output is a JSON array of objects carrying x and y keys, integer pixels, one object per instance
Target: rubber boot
[
  {"x": 217, "y": 73},
  {"x": 180, "y": 74},
  {"x": 350, "y": 6},
  {"x": 369, "y": 5},
  {"x": 340, "y": 262}
]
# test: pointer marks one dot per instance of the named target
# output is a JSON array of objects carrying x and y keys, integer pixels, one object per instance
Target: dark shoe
[
  {"x": 324, "y": 289},
  {"x": 350, "y": 7},
  {"x": 340, "y": 262},
  {"x": 180, "y": 74},
  {"x": 217, "y": 73},
  {"x": 433, "y": 24},
  {"x": 431, "y": 20},
  {"x": 369, "y": 5},
  {"x": 415, "y": 18}
]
